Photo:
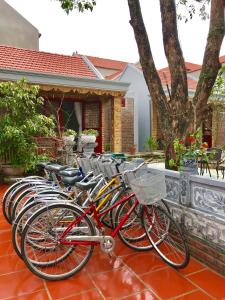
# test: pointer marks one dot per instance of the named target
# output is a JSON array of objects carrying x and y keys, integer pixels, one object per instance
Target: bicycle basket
[{"x": 149, "y": 188}]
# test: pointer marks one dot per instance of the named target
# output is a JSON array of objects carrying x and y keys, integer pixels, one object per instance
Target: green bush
[{"x": 20, "y": 120}]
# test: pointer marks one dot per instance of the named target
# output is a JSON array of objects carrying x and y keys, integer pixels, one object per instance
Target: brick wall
[
  {"x": 128, "y": 125},
  {"x": 209, "y": 254},
  {"x": 127, "y": 119},
  {"x": 218, "y": 129},
  {"x": 106, "y": 121}
]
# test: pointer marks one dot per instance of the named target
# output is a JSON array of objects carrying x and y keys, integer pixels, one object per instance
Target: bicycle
[{"x": 67, "y": 235}]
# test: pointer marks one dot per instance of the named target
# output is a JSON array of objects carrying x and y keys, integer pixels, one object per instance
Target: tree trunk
[
  {"x": 211, "y": 63},
  {"x": 174, "y": 113}
]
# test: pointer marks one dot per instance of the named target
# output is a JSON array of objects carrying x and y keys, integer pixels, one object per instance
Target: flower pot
[
  {"x": 85, "y": 139},
  {"x": 9, "y": 170},
  {"x": 68, "y": 140},
  {"x": 190, "y": 166}
]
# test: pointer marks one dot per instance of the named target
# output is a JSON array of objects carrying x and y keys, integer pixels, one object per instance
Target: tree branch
[
  {"x": 211, "y": 64},
  {"x": 148, "y": 66},
  {"x": 173, "y": 52}
]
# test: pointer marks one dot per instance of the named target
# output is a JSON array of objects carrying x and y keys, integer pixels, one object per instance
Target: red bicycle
[{"x": 58, "y": 240}]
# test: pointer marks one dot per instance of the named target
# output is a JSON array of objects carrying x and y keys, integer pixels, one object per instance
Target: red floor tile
[
  {"x": 6, "y": 248},
  {"x": 89, "y": 295},
  {"x": 10, "y": 264},
  {"x": 17, "y": 284},
  {"x": 118, "y": 283},
  {"x": 102, "y": 263},
  {"x": 121, "y": 249},
  {"x": 145, "y": 295},
  {"x": 4, "y": 225},
  {"x": 80, "y": 282},
  {"x": 143, "y": 262},
  {"x": 40, "y": 295},
  {"x": 167, "y": 283},
  {"x": 5, "y": 235},
  {"x": 211, "y": 282},
  {"x": 192, "y": 267},
  {"x": 196, "y": 295}
]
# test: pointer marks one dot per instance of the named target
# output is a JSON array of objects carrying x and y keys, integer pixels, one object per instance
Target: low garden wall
[{"x": 198, "y": 204}]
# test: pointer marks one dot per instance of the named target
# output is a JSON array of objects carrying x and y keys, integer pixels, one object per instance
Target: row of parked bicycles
[{"x": 59, "y": 218}]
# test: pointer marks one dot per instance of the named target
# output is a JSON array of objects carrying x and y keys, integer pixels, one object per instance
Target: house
[
  {"x": 15, "y": 30},
  {"x": 72, "y": 89},
  {"x": 139, "y": 106}
]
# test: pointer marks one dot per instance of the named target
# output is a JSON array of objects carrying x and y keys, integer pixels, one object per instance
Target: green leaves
[
  {"x": 188, "y": 8},
  {"x": 20, "y": 120},
  {"x": 80, "y": 5}
]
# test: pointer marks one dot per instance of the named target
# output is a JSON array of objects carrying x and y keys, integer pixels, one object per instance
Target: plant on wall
[
  {"x": 21, "y": 120},
  {"x": 151, "y": 144}
]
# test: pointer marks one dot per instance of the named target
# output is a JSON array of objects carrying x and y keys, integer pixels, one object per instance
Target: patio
[{"x": 127, "y": 275}]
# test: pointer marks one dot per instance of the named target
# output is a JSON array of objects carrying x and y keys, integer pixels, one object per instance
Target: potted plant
[
  {"x": 188, "y": 152},
  {"x": 151, "y": 144},
  {"x": 21, "y": 120},
  {"x": 88, "y": 136},
  {"x": 68, "y": 136}
]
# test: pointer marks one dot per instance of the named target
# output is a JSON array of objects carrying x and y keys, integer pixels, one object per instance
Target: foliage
[
  {"x": 20, "y": 120},
  {"x": 187, "y": 9},
  {"x": 190, "y": 149},
  {"x": 151, "y": 144},
  {"x": 81, "y": 5},
  {"x": 69, "y": 132},
  {"x": 90, "y": 132},
  {"x": 107, "y": 147}
]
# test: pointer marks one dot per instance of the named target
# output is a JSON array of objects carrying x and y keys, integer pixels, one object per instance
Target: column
[{"x": 116, "y": 141}]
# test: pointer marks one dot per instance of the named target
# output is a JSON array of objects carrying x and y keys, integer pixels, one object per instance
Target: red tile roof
[
  {"x": 190, "y": 67},
  {"x": 114, "y": 75},
  {"x": 107, "y": 63},
  {"x": 222, "y": 59},
  {"x": 43, "y": 62},
  {"x": 165, "y": 77}
]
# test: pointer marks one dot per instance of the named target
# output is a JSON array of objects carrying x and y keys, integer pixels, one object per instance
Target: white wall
[
  {"x": 139, "y": 92},
  {"x": 15, "y": 30}
]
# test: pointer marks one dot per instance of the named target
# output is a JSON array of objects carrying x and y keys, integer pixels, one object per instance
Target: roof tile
[
  {"x": 43, "y": 62},
  {"x": 107, "y": 63}
]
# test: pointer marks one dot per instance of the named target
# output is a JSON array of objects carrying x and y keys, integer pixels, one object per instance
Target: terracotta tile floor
[{"x": 128, "y": 275}]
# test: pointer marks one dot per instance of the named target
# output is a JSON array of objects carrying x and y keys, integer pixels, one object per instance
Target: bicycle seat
[
  {"x": 42, "y": 164},
  {"x": 55, "y": 167},
  {"x": 85, "y": 186},
  {"x": 71, "y": 180},
  {"x": 70, "y": 172}
]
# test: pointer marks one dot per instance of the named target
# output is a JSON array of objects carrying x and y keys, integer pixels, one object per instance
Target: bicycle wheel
[
  {"x": 19, "y": 224},
  {"x": 31, "y": 206},
  {"x": 29, "y": 196},
  {"x": 132, "y": 232},
  {"x": 9, "y": 192},
  {"x": 19, "y": 190},
  {"x": 165, "y": 236},
  {"x": 61, "y": 261}
]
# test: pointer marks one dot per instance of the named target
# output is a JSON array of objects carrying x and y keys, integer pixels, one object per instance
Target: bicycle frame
[{"x": 97, "y": 216}]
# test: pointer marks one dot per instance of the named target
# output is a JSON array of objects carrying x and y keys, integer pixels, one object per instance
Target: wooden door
[{"x": 92, "y": 119}]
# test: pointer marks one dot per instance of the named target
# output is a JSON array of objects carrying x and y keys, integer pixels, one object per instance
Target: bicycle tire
[
  {"x": 48, "y": 192},
  {"x": 173, "y": 250},
  {"x": 16, "y": 193},
  {"x": 9, "y": 191},
  {"x": 42, "y": 215}
]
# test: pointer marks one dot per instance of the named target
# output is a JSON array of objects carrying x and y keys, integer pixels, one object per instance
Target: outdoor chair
[{"x": 216, "y": 160}]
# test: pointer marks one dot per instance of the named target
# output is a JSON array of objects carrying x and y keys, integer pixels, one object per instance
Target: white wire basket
[{"x": 149, "y": 188}]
